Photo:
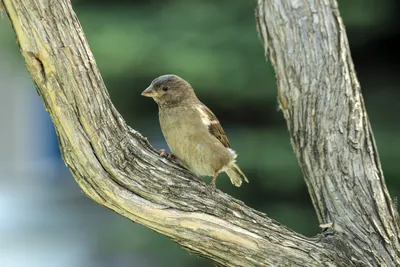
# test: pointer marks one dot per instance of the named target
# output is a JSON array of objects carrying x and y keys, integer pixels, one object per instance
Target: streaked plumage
[{"x": 192, "y": 131}]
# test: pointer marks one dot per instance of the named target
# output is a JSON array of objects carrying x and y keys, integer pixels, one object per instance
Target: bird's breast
[{"x": 188, "y": 139}]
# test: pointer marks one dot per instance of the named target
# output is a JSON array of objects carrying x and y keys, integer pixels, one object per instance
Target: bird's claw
[
  {"x": 164, "y": 154},
  {"x": 210, "y": 188}
]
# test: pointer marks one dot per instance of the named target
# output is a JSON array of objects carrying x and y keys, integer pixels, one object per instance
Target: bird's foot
[
  {"x": 210, "y": 188},
  {"x": 170, "y": 157}
]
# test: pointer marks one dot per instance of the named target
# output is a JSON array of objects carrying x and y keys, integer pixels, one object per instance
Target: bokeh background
[{"x": 45, "y": 220}]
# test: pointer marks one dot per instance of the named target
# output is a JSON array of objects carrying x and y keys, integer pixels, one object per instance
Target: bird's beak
[{"x": 149, "y": 92}]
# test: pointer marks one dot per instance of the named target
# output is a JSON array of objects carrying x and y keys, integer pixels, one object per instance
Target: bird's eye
[{"x": 165, "y": 88}]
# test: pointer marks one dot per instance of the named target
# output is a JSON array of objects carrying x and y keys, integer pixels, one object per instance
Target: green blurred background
[{"x": 44, "y": 218}]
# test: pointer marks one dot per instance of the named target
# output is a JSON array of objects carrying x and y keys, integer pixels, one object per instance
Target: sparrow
[{"x": 192, "y": 132}]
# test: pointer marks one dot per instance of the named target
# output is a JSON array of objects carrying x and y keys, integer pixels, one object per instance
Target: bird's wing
[{"x": 214, "y": 127}]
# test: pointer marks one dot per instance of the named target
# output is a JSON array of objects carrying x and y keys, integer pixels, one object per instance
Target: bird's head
[{"x": 168, "y": 90}]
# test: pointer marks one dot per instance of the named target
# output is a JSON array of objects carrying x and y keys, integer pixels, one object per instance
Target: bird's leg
[
  {"x": 172, "y": 157},
  {"x": 212, "y": 184},
  {"x": 164, "y": 154}
]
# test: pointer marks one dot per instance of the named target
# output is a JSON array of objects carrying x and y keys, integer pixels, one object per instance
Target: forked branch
[{"x": 115, "y": 166}]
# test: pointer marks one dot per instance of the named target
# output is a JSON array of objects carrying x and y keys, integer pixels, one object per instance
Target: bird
[{"x": 192, "y": 132}]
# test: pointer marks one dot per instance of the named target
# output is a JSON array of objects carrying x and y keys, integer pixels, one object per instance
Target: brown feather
[{"x": 215, "y": 127}]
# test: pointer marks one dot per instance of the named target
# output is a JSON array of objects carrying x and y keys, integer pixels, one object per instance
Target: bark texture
[{"x": 321, "y": 101}]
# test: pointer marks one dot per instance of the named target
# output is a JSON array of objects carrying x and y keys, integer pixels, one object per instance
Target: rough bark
[
  {"x": 116, "y": 166},
  {"x": 321, "y": 100}
]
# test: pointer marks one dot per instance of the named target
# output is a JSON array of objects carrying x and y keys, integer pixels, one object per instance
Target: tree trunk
[{"x": 320, "y": 98}]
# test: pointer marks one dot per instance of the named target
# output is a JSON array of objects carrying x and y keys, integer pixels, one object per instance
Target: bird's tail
[{"x": 236, "y": 175}]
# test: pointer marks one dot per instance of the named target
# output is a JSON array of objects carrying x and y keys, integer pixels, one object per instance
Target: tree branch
[
  {"x": 116, "y": 166},
  {"x": 321, "y": 100}
]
